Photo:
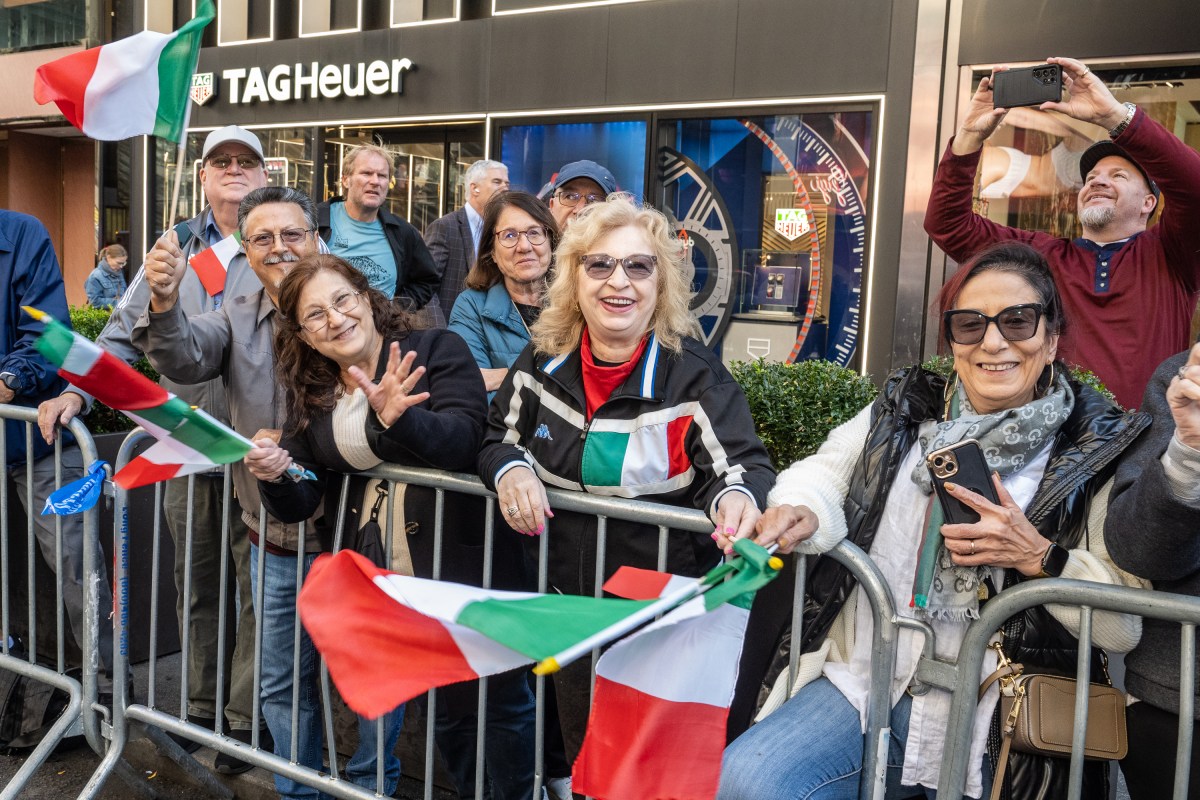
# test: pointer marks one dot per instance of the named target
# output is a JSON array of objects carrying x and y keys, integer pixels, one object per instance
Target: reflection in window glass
[
  {"x": 1029, "y": 170},
  {"x": 774, "y": 210},
  {"x": 534, "y": 153},
  {"x": 47, "y": 23}
]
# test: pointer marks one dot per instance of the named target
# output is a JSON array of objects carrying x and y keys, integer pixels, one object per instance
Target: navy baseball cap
[
  {"x": 585, "y": 169},
  {"x": 1105, "y": 148}
]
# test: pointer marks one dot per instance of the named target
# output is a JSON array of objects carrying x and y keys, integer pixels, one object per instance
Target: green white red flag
[
  {"x": 131, "y": 87},
  {"x": 189, "y": 440},
  {"x": 212, "y": 263}
]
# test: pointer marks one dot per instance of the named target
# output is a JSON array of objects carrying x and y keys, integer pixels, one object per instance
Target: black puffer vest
[{"x": 1081, "y": 460}]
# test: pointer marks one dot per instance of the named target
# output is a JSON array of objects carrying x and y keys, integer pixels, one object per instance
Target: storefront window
[
  {"x": 1029, "y": 170},
  {"x": 409, "y": 12},
  {"x": 289, "y": 163},
  {"x": 429, "y": 163},
  {"x": 46, "y": 23},
  {"x": 534, "y": 153},
  {"x": 774, "y": 210}
]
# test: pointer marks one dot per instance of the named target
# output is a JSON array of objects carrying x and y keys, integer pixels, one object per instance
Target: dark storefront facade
[{"x": 793, "y": 142}]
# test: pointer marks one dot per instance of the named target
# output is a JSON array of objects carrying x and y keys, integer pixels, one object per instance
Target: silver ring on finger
[{"x": 512, "y": 511}]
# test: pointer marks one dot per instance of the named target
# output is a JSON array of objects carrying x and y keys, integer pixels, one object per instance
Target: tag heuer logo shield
[{"x": 203, "y": 87}]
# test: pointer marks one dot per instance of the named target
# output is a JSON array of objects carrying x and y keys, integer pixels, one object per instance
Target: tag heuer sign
[
  {"x": 791, "y": 223},
  {"x": 203, "y": 87}
]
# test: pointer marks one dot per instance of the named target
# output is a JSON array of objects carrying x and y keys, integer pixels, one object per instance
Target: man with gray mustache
[
  {"x": 236, "y": 343},
  {"x": 1129, "y": 288}
]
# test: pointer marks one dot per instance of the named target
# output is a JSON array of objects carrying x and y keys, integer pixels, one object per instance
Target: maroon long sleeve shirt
[{"x": 1129, "y": 304}]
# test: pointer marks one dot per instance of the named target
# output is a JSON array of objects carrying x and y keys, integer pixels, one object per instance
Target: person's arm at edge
[
  {"x": 40, "y": 286},
  {"x": 498, "y": 453},
  {"x": 185, "y": 349}
]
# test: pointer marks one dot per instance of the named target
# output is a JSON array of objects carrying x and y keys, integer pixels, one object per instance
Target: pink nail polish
[
  {"x": 729, "y": 531},
  {"x": 715, "y": 535},
  {"x": 540, "y": 529}
]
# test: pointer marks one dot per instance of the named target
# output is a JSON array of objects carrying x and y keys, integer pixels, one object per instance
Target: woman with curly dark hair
[{"x": 361, "y": 389}]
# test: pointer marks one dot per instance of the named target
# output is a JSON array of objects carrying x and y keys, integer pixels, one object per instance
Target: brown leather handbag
[{"x": 1039, "y": 715}]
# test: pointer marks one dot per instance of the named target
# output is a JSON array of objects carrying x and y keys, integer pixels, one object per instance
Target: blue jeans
[
  {"x": 509, "y": 735},
  {"x": 278, "y": 652},
  {"x": 811, "y": 749}
]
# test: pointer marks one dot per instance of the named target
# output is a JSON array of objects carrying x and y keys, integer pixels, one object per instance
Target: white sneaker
[{"x": 557, "y": 789}]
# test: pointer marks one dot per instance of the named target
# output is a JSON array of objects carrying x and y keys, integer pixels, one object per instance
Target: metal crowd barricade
[
  {"x": 963, "y": 678},
  {"x": 82, "y": 714},
  {"x": 144, "y": 718}
]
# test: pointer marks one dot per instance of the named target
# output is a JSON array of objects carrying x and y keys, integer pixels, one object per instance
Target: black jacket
[
  {"x": 683, "y": 404},
  {"x": 1082, "y": 459},
  {"x": 417, "y": 277},
  {"x": 443, "y": 433}
]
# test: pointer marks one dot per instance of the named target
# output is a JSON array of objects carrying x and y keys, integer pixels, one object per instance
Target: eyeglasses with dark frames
[
  {"x": 291, "y": 236},
  {"x": 316, "y": 320},
  {"x": 571, "y": 199},
  {"x": 1015, "y": 323},
  {"x": 510, "y": 236},
  {"x": 246, "y": 161},
  {"x": 600, "y": 266}
]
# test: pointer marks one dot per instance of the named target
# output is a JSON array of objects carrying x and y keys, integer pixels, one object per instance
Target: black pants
[{"x": 1149, "y": 768}]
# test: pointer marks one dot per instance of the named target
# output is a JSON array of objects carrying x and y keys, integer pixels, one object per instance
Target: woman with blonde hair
[{"x": 615, "y": 397}]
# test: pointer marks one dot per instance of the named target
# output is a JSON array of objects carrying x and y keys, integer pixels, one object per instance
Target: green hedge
[
  {"x": 89, "y": 322},
  {"x": 796, "y": 405}
]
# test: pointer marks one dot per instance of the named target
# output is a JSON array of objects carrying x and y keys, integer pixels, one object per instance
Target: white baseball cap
[{"x": 232, "y": 133}]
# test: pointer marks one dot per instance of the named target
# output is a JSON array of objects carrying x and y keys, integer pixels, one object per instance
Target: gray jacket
[
  {"x": 1155, "y": 534},
  {"x": 117, "y": 335},
  {"x": 234, "y": 345}
]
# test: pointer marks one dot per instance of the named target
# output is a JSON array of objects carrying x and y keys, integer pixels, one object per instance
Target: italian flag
[
  {"x": 633, "y": 453},
  {"x": 212, "y": 264},
  {"x": 388, "y": 638},
  {"x": 661, "y": 702},
  {"x": 189, "y": 440},
  {"x": 132, "y": 87}
]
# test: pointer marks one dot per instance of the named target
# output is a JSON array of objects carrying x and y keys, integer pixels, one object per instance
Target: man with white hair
[{"x": 453, "y": 240}]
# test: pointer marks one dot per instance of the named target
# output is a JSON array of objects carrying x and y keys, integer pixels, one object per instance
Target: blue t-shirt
[{"x": 365, "y": 246}]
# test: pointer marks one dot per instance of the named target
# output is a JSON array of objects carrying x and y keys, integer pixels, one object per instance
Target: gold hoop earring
[{"x": 1050, "y": 384}]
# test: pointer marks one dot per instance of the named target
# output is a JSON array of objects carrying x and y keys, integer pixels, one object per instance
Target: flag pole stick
[
  {"x": 619, "y": 628},
  {"x": 180, "y": 155}
]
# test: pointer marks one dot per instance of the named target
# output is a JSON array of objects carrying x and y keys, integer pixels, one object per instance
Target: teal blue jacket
[{"x": 491, "y": 326}]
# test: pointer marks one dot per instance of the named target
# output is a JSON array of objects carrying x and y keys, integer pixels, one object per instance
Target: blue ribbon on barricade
[{"x": 79, "y": 495}]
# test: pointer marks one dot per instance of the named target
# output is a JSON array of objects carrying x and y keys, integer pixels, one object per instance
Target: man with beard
[
  {"x": 1129, "y": 289},
  {"x": 236, "y": 345},
  {"x": 231, "y": 165}
]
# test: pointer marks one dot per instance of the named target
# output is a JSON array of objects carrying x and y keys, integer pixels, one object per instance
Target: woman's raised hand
[
  {"x": 267, "y": 460},
  {"x": 523, "y": 500},
  {"x": 391, "y": 397},
  {"x": 1183, "y": 397},
  {"x": 1003, "y": 537}
]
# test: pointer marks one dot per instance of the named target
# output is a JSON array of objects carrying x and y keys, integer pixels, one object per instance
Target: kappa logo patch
[{"x": 543, "y": 432}]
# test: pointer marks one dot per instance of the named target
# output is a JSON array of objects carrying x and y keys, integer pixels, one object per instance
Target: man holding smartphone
[{"x": 1129, "y": 290}]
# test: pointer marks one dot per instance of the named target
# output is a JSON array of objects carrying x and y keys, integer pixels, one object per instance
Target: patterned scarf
[{"x": 1010, "y": 439}]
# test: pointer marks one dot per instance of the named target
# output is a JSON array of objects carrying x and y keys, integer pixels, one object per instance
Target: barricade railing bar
[
  {"x": 963, "y": 678},
  {"x": 82, "y": 713},
  {"x": 148, "y": 716}
]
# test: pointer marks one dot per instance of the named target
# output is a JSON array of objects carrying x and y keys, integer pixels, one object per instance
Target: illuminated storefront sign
[{"x": 290, "y": 82}]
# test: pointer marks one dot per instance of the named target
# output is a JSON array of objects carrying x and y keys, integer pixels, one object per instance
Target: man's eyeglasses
[
  {"x": 244, "y": 161},
  {"x": 1015, "y": 323},
  {"x": 571, "y": 199},
  {"x": 318, "y": 318},
  {"x": 264, "y": 241},
  {"x": 600, "y": 266},
  {"x": 510, "y": 236}
]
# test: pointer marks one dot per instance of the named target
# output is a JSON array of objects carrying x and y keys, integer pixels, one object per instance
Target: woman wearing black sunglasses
[
  {"x": 615, "y": 397},
  {"x": 1051, "y": 444}
]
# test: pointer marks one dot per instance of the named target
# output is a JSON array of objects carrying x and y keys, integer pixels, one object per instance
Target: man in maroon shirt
[{"x": 1129, "y": 291}]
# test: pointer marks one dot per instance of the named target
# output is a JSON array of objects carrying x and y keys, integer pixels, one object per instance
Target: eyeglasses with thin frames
[
  {"x": 247, "y": 161},
  {"x": 600, "y": 266},
  {"x": 1015, "y": 323},
  {"x": 291, "y": 236},
  {"x": 571, "y": 199},
  {"x": 316, "y": 320},
  {"x": 509, "y": 237}
]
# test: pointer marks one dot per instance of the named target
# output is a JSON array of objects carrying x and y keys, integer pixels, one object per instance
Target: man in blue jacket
[{"x": 30, "y": 275}]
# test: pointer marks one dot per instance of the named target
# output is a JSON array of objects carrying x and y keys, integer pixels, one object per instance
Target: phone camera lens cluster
[{"x": 1046, "y": 75}]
